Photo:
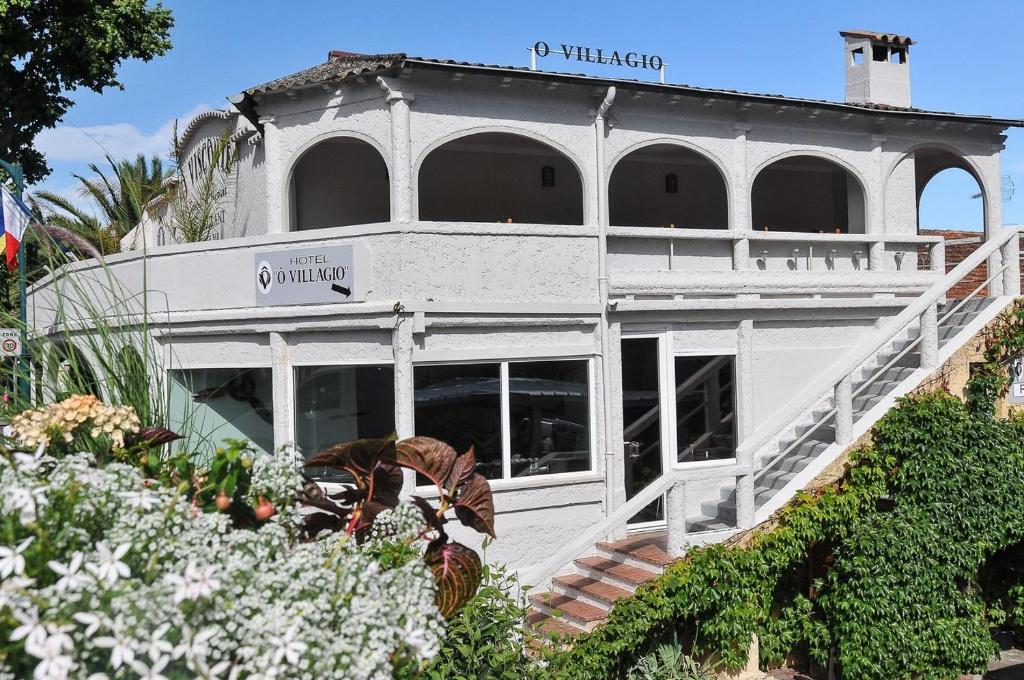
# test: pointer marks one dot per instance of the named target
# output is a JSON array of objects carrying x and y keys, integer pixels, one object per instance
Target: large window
[
  {"x": 705, "y": 418},
  {"x": 521, "y": 418},
  {"x": 335, "y": 404},
  {"x": 209, "y": 405}
]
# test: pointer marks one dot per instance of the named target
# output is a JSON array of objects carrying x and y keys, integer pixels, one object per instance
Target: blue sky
[{"x": 968, "y": 59}]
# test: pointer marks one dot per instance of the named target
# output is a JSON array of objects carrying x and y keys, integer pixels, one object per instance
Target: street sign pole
[{"x": 16, "y": 174}]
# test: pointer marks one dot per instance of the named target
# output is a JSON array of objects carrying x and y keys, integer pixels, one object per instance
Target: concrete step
[
  {"x": 551, "y": 626},
  {"x": 645, "y": 550}
]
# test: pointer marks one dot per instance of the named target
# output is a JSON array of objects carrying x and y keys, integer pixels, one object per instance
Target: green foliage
[
  {"x": 668, "y": 662},
  {"x": 196, "y": 207},
  {"x": 121, "y": 196},
  {"x": 484, "y": 640},
  {"x": 884, "y": 572},
  {"x": 49, "y": 49}
]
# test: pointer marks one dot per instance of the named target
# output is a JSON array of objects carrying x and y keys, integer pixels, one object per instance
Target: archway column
[
  {"x": 739, "y": 185},
  {"x": 402, "y": 209},
  {"x": 875, "y": 198}
]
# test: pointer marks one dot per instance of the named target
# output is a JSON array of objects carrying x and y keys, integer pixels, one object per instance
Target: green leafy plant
[
  {"x": 376, "y": 468},
  {"x": 668, "y": 662},
  {"x": 485, "y": 639},
  {"x": 196, "y": 203}
]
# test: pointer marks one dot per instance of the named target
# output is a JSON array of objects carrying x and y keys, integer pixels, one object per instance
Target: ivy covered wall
[{"x": 900, "y": 568}]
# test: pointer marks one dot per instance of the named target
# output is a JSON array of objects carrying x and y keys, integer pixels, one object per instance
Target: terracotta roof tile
[{"x": 890, "y": 38}]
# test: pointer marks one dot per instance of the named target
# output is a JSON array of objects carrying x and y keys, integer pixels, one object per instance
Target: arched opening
[
  {"x": 807, "y": 194},
  {"x": 666, "y": 185},
  {"x": 947, "y": 192},
  {"x": 337, "y": 182},
  {"x": 499, "y": 177}
]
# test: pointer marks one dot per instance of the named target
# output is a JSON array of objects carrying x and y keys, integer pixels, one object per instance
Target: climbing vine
[{"x": 899, "y": 570}]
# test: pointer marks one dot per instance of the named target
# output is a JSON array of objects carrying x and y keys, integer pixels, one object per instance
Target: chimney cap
[{"x": 887, "y": 38}]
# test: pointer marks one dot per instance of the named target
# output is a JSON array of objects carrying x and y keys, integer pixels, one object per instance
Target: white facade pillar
[
  {"x": 739, "y": 190},
  {"x": 277, "y": 210},
  {"x": 745, "y": 425},
  {"x": 402, "y": 345},
  {"x": 402, "y": 208},
  {"x": 281, "y": 385},
  {"x": 875, "y": 199},
  {"x": 1011, "y": 258}
]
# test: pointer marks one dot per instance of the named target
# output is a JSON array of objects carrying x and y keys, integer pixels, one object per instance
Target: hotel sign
[
  {"x": 596, "y": 55},
  {"x": 304, "y": 276}
]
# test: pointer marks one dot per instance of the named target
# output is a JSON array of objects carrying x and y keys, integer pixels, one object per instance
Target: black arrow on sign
[{"x": 347, "y": 292}]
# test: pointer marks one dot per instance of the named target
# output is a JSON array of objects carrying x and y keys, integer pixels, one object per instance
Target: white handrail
[
  {"x": 585, "y": 541},
  {"x": 825, "y": 385}
]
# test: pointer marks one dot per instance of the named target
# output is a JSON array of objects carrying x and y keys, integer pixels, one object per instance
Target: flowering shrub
[
  {"x": 121, "y": 562},
  {"x": 60, "y": 421},
  {"x": 104, "y": 572}
]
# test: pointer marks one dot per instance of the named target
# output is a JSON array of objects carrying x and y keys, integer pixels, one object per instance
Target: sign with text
[
  {"x": 304, "y": 276},
  {"x": 596, "y": 55},
  {"x": 1017, "y": 381},
  {"x": 10, "y": 342}
]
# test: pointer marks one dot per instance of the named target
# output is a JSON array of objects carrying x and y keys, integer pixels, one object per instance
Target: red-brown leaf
[
  {"x": 154, "y": 436},
  {"x": 429, "y": 513},
  {"x": 358, "y": 457},
  {"x": 462, "y": 470},
  {"x": 457, "y": 571},
  {"x": 474, "y": 505},
  {"x": 431, "y": 458}
]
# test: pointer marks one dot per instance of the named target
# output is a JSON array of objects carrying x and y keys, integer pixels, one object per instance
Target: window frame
[
  {"x": 292, "y": 386},
  {"x": 506, "y": 481},
  {"x": 704, "y": 352}
]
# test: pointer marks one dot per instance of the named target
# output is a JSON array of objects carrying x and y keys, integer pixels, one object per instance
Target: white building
[{"x": 614, "y": 290}]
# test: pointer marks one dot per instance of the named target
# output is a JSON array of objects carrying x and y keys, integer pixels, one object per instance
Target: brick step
[
  {"x": 624, "y": 576},
  {"x": 586, "y": 588},
  {"x": 546, "y": 625},
  {"x": 645, "y": 550},
  {"x": 570, "y": 610}
]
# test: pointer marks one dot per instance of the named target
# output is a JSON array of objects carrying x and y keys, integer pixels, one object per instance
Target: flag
[{"x": 14, "y": 219}]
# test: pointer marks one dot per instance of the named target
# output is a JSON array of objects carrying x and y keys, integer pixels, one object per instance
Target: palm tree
[{"x": 120, "y": 196}]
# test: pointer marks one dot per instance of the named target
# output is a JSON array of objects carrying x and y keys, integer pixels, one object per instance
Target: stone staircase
[{"x": 579, "y": 601}]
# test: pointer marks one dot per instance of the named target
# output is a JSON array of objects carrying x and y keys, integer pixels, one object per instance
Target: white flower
[
  {"x": 195, "y": 583},
  {"x": 92, "y": 622},
  {"x": 11, "y": 560},
  {"x": 110, "y": 567},
  {"x": 27, "y": 502},
  {"x": 287, "y": 647},
  {"x": 416, "y": 637},
  {"x": 54, "y": 663},
  {"x": 12, "y": 592},
  {"x": 140, "y": 500},
  {"x": 31, "y": 630},
  {"x": 28, "y": 462},
  {"x": 71, "y": 578},
  {"x": 122, "y": 649},
  {"x": 194, "y": 645},
  {"x": 151, "y": 672},
  {"x": 156, "y": 646}
]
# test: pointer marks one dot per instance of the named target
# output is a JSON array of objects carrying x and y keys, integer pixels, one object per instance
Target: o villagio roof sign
[
  {"x": 596, "y": 55},
  {"x": 310, "y": 275}
]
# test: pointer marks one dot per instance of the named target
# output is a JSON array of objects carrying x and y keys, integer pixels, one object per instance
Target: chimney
[{"x": 877, "y": 68}]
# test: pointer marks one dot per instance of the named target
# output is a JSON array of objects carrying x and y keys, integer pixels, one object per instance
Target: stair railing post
[
  {"x": 844, "y": 410},
  {"x": 745, "y": 500},
  {"x": 930, "y": 336},
  {"x": 1011, "y": 260},
  {"x": 937, "y": 260},
  {"x": 675, "y": 519}
]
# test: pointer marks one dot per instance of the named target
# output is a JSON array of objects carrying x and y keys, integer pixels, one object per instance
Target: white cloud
[{"x": 91, "y": 143}]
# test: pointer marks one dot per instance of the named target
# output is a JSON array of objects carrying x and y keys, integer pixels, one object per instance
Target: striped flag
[{"x": 14, "y": 219}]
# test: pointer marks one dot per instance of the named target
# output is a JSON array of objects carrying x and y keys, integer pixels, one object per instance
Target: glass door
[{"x": 642, "y": 421}]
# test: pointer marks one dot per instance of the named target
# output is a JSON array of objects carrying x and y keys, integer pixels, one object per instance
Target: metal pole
[{"x": 22, "y": 386}]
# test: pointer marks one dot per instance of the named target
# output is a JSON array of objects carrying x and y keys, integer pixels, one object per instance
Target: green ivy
[{"x": 899, "y": 570}]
